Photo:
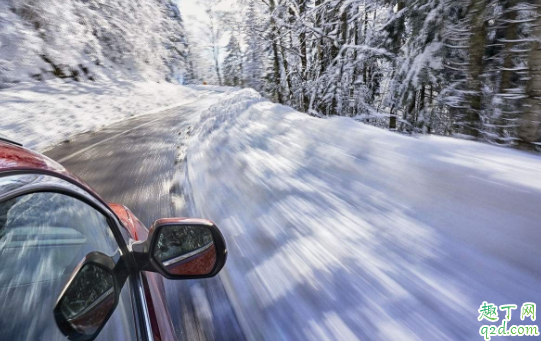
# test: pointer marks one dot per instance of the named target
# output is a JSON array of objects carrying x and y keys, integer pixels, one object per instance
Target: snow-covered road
[
  {"x": 135, "y": 162},
  {"x": 40, "y": 115},
  {"x": 342, "y": 231}
]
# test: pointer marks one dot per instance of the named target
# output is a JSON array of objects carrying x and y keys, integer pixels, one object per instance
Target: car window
[{"x": 43, "y": 236}]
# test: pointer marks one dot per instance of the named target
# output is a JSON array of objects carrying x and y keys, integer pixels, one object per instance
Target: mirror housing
[
  {"x": 182, "y": 248},
  {"x": 89, "y": 298}
]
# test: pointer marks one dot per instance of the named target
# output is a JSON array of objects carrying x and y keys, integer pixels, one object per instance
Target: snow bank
[
  {"x": 341, "y": 231},
  {"x": 216, "y": 88},
  {"x": 42, "y": 114}
]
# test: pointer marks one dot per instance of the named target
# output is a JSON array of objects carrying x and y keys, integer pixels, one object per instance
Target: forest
[
  {"x": 464, "y": 68},
  {"x": 469, "y": 69}
]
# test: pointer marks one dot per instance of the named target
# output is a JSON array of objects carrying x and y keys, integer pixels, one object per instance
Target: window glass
[{"x": 43, "y": 237}]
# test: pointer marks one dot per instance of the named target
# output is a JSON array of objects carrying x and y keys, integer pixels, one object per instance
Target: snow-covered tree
[
  {"x": 530, "y": 121},
  {"x": 254, "y": 65},
  {"x": 233, "y": 63},
  {"x": 451, "y": 67},
  {"x": 88, "y": 39}
]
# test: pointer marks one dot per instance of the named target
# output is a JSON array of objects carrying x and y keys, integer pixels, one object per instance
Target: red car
[{"x": 72, "y": 265}]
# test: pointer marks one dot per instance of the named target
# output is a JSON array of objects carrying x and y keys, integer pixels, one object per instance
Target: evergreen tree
[
  {"x": 254, "y": 71},
  {"x": 233, "y": 63}
]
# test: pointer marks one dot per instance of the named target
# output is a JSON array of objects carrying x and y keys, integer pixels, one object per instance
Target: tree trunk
[
  {"x": 506, "y": 83},
  {"x": 510, "y": 36},
  {"x": 217, "y": 69},
  {"x": 304, "y": 64},
  {"x": 395, "y": 47},
  {"x": 398, "y": 28},
  {"x": 287, "y": 72},
  {"x": 408, "y": 114},
  {"x": 530, "y": 122},
  {"x": 392, "y": 119},
  {"x": 411, "y": 112},
  {"x": 277, "y": 77},
  {"x": 277, "y": 71},
  {"x": 215, "y": 46},
  {"x": 365, "y": 30},
  {"x": 241, "y": 65},
  {"x": 336, "y": 110},
  {"x": 428, "y": 124},
  {"x": 476, "y": 53},
  {"x": 421, "y": 105}
]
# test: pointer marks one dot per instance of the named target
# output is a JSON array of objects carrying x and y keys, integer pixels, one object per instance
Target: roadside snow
[
  {"x": 40, "y": 115},
  {"x": 341, "y": 231}
]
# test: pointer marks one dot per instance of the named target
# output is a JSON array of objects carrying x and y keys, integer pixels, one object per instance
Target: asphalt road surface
[{"x": 136, "y": 163}]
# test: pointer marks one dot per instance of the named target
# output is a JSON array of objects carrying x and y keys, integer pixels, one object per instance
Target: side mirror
[
  {"x": 89, "y": 298},
  {"x": 180, "y": 248}
]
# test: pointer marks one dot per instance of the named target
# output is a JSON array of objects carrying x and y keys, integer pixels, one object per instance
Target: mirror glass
[
  {"x": 89, "y": 299},
  {"x": 186, "y": 250}
]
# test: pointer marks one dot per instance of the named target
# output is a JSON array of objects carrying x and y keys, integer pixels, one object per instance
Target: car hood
[{"x": 17, "y": 158}]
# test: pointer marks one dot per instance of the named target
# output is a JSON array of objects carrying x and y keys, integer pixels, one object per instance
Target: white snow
[
  {"x": 340, "y": 231},
  {"x": 40, "y": 115}
]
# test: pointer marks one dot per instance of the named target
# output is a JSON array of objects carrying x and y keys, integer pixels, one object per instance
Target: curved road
[{"x": 137, "y": 163}]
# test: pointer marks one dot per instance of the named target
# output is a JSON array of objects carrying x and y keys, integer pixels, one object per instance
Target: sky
[
  {"x": 194, "y": 16},
  {"x": 191, "y": 9}
]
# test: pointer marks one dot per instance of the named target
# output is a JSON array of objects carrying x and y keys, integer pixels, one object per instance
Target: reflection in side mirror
[
  {"x": 89, "y": 298},
  {"x": 182, "y": 248},
  {"x": 185, "y": 250}
]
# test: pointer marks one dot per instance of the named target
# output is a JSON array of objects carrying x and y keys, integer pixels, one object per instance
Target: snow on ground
[
  {"x": 336, "y": 230},
  {"x": 40, "y": 115},
  {"x": 341, "y": 231}
]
